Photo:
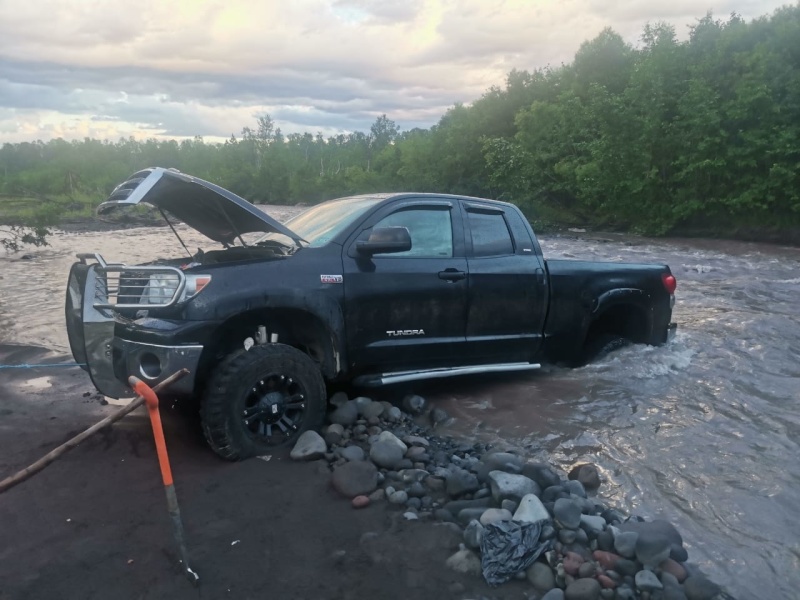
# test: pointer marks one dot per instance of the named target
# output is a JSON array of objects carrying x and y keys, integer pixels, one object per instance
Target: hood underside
[{"x": 212, "y": 210}]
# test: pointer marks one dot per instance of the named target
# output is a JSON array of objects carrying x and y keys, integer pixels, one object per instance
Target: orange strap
[{"x": 151, "y": 400}]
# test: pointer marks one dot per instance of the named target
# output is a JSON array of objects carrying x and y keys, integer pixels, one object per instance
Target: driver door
[{"x": 408, "y": 310}]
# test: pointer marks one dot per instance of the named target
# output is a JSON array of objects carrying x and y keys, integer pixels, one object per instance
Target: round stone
[
  {"x": 396, "y": 497},
  {"x": 582, "y": 589},
  {"x": 360, "y": 501},
  {"x": 567, "y": 512},
  {"x": 355, "y": 478},
  {"x": 541, "y": 577}
]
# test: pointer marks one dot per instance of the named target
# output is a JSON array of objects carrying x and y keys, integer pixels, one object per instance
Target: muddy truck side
[{"x": 367, "y": 290}]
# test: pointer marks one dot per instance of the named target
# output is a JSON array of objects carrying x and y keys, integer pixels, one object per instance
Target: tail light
[{"x": 670, "y": 282}]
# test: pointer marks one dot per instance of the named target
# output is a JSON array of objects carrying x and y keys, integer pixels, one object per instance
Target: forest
[{"x": 664, "y": 137}]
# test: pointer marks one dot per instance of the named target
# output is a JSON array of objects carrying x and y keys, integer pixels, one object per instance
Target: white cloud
[{"x": 208, "y": 67}]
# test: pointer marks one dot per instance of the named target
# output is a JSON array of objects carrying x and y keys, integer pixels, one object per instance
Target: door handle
[{"x": 452, "y": 275}]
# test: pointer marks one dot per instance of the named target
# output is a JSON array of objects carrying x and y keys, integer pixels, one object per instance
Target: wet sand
[{"x": 94, "y": 524}]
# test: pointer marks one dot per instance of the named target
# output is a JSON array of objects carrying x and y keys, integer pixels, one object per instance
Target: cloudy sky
[{"x": 180, "y": 68}]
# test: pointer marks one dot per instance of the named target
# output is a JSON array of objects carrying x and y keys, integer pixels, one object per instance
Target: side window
[
  {"x": 430, "y": 228},
  {"x": 490, "y": 235}
]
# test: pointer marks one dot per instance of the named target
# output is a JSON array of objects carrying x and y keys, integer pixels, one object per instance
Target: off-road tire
[
  {"x": 231, "y": 386},
  {"x": 602, "y": 345}
]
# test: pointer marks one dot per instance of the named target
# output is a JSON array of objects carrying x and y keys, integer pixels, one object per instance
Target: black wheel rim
[{"x": 274, "y": 408}]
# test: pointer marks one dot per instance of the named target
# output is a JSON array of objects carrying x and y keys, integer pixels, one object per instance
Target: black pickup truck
[{"x": 369, "y": 290}]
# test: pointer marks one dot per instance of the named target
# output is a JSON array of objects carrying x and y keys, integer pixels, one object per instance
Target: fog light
[{"x": 150, "y": 365}]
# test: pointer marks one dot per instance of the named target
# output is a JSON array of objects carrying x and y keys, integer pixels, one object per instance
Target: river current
[{"x": 702, "y": 432}]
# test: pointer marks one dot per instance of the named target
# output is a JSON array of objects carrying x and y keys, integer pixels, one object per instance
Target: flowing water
[{"x": 702, "y": 432}]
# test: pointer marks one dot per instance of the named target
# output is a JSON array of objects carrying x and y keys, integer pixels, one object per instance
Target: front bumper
[
  {"x": 99, "y": 340},
  {"x": 153, "y": 363}
]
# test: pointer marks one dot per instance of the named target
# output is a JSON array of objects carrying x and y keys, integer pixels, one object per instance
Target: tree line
[{"x": 661, "y": 137}]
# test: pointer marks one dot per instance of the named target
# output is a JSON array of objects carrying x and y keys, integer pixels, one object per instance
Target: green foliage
[
  {"x": 655, "y": 138},
  {"x": 14, "y": 237}
]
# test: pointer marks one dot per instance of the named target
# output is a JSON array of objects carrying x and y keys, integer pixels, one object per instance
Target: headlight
[{"x": 160, "y": 288}]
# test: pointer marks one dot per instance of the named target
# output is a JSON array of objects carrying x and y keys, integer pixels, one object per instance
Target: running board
[{"x": 402, "y": 376}]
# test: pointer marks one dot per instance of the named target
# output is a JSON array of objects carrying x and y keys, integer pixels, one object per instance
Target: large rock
[
  {"x": 362, "y": 402},
  {"x": 507, "y": 486},
  {"x": 498, "y": 461},
  {"x": 309, "y": 446},
  {"x": 665, "y": 528},
  {"x": 389, "y": 437},
  {"x": 543, "y": 474},
  {"x": 333, "y": 434},
  {"x": 386, "y": 454},
  {"x": 583, "y": 589},
  {"x": 588, "y": 474},
  {"x": 592, "y": 525},
  {"x": 352, "y": 453},
  {"x": 346, "y": 414},
  {"x": 554, "y": 594},
  {"x": 473, "y": 534},
  {"x": 493, "y": 515},
  {"x": 461, "y": 482},
  {"x": 652, "y": 548},
  {"x": 414, "y": 404},
  {"x": 625, "y": 543},
  {"x": 567, "y": 512},
  {"x": 646, "y": 581},
  {"x": 355, "y": 479},
  {"x": 541, "y": 577},
  {"x": 338, "y": 399},
  {"x": 465, "y": 561},
  {"x": 575, "y": 487},
  {"x": 531, "y": 510},
  {"x": 373, "y": 410},
  {"x": 398, "y": 497}
]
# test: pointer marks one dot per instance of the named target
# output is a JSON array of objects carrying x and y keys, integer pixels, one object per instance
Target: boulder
[
  {"x": 507, "y": 486},
  {"x": 541, "y": 577},
  {"x": 493, "y": 515},
  {"x": 388, "y": 436},
  {"x": 567, "y": 512},
  {"x": 583, "y": 589},
  {"x": 646, "y": 581},
  {"x": 309, "y": 446},
  {"x": 386, "y": 454},
  {"x": 465, "y": 561},
  {"x": 461, "y": 482},
  {"x": 346, "y": 414},
  {"x": 531, "y": 510},
  {"x": 588, "y": 474},
  {"x": 355, "y": 479},
  {"x": 352, "y": 453},
  {"x": 473, "y": 534},
  {"x": 414, "y": 404}
]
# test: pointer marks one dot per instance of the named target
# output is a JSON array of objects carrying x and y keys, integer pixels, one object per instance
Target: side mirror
[{"x": 385, "y": 240}]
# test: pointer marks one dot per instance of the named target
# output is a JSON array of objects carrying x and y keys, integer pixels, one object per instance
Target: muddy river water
[{"x": 703, "y": 432}]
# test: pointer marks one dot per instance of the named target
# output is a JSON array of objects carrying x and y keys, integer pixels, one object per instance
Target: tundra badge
[{"x": 398, "y": 332}]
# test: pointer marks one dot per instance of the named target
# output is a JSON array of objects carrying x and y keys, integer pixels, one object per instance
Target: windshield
[{"x": 320, "y": 224}]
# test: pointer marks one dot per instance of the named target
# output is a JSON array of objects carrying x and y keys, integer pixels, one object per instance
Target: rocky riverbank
[{"x": 518, "y": 519}]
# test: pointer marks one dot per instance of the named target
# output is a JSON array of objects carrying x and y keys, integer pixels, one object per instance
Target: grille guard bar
[{"x": 113, "y": 278}]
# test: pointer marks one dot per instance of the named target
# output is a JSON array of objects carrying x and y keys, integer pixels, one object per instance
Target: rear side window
[{"x": 490, "y": 235}]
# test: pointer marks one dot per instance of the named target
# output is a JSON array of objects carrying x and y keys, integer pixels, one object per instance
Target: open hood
[{"x": 213, "y": 211}]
